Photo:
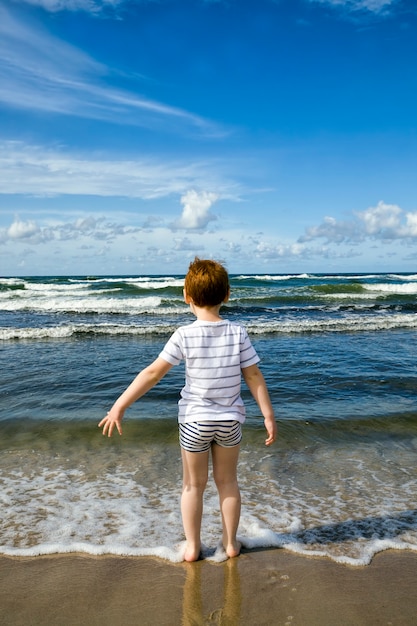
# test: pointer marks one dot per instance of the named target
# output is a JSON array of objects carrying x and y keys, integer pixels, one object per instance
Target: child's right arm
[
  {"x": 144, "y": 381},
  {"x": 255, "y": 381}
]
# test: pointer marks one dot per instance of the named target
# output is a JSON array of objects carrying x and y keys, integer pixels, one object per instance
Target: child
[{"x": 211, "y": 411}]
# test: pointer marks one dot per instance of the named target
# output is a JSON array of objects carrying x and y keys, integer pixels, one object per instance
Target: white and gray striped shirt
[{"x": 214, "y": 355}]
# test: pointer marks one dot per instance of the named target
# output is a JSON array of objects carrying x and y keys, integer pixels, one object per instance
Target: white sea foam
[
  {"x": 339, "y": 503},
  {"x": 10, "y": 282},
  {"x": 403, "y": 276},
  {"x": 53, "y": 288},
  {"x": 71, "y": 330},
  {"x": 395, "y": 288},
  {"x": 271, "y": 277},
  {"x": 152, "y": 284},
  {"x": 87, "y": 304},
  {"x": 348, "y": 277},
  {"x": 143, "y": 282},
  {"x": 320, "y": 277},
  {"x": 352, "y": 323}
]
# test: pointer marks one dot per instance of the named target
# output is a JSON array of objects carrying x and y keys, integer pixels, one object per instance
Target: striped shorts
[{"x": 198, "y": 436}]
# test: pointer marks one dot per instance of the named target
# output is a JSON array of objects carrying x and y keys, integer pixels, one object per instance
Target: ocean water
[{"x": 339, "y": 356}]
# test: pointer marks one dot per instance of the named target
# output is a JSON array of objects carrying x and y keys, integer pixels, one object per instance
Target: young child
[{"x": 211, "y": 411}]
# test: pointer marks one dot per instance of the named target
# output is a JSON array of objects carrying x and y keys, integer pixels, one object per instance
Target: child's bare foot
[
  {"x": 233, "y": 549},
  {"x": 192, "y": 553}
]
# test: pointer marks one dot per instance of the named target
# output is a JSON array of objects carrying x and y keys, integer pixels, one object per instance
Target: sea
[{"x": 339, "y": 355}]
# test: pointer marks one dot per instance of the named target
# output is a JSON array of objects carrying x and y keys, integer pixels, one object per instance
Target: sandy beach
[{"x": 258, "y": 588}]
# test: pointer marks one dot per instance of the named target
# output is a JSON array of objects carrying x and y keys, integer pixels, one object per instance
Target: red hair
[{"x": 207, "y": 282}]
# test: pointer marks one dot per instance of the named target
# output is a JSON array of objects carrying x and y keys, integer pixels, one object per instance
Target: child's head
[{"x": 207, "y": 283}]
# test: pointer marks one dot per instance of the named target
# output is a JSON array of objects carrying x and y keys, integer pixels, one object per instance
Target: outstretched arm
[
  {"x": 145, "y": 380},
  {"x": 255, "y": 381}
]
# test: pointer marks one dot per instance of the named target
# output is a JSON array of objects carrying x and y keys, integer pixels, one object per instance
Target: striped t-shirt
[{"x": 214, "y": 354}]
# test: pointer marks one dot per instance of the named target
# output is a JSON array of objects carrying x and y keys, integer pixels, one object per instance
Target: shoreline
[{"x": 262, "y": 587}]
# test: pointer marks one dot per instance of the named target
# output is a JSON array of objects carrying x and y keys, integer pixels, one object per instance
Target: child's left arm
[{"x": 256, "y": 383}]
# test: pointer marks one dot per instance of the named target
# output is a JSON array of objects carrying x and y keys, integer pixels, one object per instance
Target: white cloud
[
  {"x": 88, "y": 228},
  {"x": 22, "y": 230},
  {"x": 268, "y": 250},
  {"x": 185, "y": 244},
  {"x": 411, "y": 224},
  {"x": 42, "y": 73},
  {"x": 383, "y": 222},
  {"x": 333, "y": 231},
  {"x": 79, "y": 242},
  {"x": 196, "y": 212}
]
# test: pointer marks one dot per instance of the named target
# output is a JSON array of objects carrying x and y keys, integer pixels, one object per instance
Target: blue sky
[{"x": 275, "y": 135}]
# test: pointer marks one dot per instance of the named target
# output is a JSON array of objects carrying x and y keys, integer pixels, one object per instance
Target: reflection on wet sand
[{"x": 228, "y": 613}]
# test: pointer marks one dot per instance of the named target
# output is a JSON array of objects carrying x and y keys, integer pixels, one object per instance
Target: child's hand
[
  {"x": 271, "y": 429},
  {"x": 113, "y": 419}
]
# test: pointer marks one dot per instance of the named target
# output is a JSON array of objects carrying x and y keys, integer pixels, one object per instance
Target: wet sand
[{"x": 270, "y": 587}]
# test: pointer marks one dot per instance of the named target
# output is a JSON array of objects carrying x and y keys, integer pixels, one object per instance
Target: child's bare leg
[
  {"x": 195, "y": 474},
  {"x": 225, "y": 476}
]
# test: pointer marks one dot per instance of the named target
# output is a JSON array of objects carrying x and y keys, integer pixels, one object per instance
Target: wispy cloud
[
  {"x": 383, "y": 222},
  {"x": 90, "y": 6},
  {"x": 42, "y": 73},
  {"x": 98, "y": 6},
  {"x": 38, "y": 171},
  {"x": 371, "y": 6}
]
